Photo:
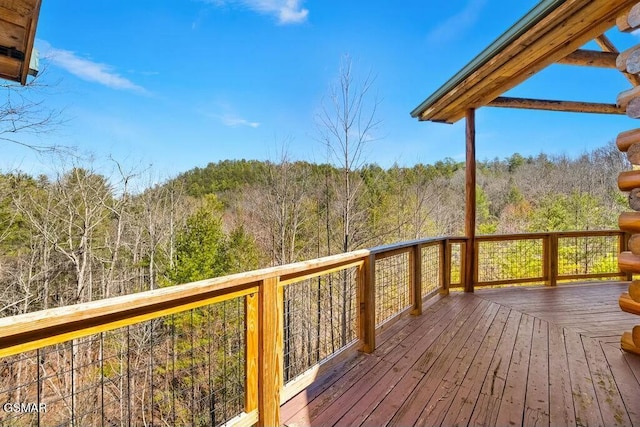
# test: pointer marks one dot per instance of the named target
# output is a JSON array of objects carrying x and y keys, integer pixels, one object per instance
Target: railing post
[
  {"x": 367, "y": 290},
  {"x": 270, "y": 353},
  {"x": 252, "y": 353},
  {"x": 415, "y": 278},
  {"x": 445, "y": 267},
  {"x": 552, "y": 263}
]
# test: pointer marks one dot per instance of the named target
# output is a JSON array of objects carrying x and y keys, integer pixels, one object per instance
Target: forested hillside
[{"x": 83, "y": 236}]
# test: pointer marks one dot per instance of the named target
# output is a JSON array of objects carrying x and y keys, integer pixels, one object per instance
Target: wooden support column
[
  {"x": 470, "y": 199},
  {"x": 270, "y": 352},
  {"x": 415, "y": 279},
  {"x": 445, "y": 267},
  {"x": 367, "y": 290},
  {"x": 252, "y": 339}
]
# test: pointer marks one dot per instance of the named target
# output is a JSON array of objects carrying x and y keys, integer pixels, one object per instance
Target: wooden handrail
[{"x": 262, "y": 291}]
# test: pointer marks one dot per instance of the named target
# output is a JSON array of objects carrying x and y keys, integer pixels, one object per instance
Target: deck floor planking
[{"x": 496, "y": 357}]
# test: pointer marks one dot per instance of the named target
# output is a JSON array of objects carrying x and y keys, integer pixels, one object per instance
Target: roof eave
[{"x": 534, "y": 16}]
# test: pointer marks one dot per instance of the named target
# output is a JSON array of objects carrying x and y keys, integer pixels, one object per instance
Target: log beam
[
  {"x": 627, "y": 344},
  {"x": 628, "y": 262},
  {"x": 470, "y": 199},
  {"x": 630, "y": 20},
  {"x": 553, "y": 105},
  {"x": 629, "y": 180},
  {"x": 634, "y": 290},
  {"x": 629, "y": 305},
  {"x": 590, "y": 58},
  {"x": 627, "y": 139},
  {"x": 607, "y": 46},
  {"x": 629, "y": 222}
]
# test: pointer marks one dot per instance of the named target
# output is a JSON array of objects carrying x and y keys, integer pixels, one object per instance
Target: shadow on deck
[{"x": 519, "y": 356}]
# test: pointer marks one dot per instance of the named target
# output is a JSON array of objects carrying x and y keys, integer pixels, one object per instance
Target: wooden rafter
[
  {"x": 541, "y": 38},
  {"x": 552, "y": 105},
  {"x": 590, "y": 58},
  {"x": 607, "y": 46}
]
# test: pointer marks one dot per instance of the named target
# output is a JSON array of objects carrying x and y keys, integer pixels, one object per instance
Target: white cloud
[
  {"x": 89, "y": 70},
  {"x": 287, "y": 11},
  {"x": 235, "y": 121},
  {"x": 458, "y": 23}
]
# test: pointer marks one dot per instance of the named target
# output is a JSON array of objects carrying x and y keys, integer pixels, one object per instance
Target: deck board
[{"x": 542, "y": 356}]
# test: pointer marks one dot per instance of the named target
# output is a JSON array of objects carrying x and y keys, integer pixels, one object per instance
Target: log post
[
  {"x": 270, "y": 351},
  {"x": 415, "y": 278},
  {"x": 367, "y": 291},
  {"x": 470, "y": 199},
  {"x": 445, "y": 267}
]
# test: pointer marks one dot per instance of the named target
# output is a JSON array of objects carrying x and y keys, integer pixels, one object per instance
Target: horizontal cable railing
[{"x": 229, "y": 350}]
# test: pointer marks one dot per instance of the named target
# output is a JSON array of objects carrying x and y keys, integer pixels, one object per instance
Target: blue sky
[{"x": 178, "y": 84}]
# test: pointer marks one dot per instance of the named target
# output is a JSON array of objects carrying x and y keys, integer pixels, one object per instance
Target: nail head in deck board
[
  {"x": 465, "y": 399},
  {"x": 561, "y": 407},
  {"x": 488, "y": 402},
  {"x": 438, "y": 359},
  {"x": 626, "y": 382},
  {"x": 610, "y": 403},
  {"x": 388, "y": 385},
  {"x": 432, "y": 326},
  {"x": 537, "y": 387},
  {"x": 584, "y": 395},
  {"x": 394, "y": 399},
  {"x": 438, "y": 405},
  {"x": 512, "y": 406},
  {"x": 573, "y": 293}
]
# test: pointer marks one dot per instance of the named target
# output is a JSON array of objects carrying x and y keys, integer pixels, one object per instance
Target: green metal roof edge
[{"x": 535, "y": 15}]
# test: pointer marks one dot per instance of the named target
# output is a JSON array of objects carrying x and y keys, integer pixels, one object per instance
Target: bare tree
[
  {"x": 346, "y": 126},
  {"x": 23, "y": 111}
]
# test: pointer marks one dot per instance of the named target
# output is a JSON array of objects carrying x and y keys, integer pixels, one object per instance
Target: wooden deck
[{"x": 518, "y": 356}]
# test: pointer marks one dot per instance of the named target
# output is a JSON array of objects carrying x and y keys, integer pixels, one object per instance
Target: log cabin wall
[{"x": 628, "y": 142}]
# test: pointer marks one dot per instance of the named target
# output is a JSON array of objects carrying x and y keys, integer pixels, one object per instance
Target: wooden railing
[{"x": 231, "y": 349}]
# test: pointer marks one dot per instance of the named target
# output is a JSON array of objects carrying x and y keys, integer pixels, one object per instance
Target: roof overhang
[
  {"x": 551, "y": 31},
  {"x": 18, "y": 21}
]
